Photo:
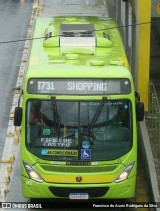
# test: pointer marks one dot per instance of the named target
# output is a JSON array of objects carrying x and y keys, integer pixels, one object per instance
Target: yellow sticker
[{"x": 62, "y": 152}]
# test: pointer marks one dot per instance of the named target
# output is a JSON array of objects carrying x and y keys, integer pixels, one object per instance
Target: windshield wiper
[
  {"x": 55, "y": 115},
  {"x": 95, "y": 117}
]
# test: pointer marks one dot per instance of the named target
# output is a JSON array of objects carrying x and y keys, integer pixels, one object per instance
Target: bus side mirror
[
  {"x": 139, "y": 111},
  {"x": 18, "y": 116}
]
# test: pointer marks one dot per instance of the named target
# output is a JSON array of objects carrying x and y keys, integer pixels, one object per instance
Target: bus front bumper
[{"x": 121, "y": 190}]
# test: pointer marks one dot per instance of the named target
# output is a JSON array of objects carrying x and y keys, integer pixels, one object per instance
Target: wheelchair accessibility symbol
[{"x": 85, "y": 153}]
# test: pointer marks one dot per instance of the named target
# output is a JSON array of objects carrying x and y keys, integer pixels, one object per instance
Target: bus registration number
[{"x": 79, "y": 196}]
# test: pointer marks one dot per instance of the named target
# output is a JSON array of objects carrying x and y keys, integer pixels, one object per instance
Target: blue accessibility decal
[{"x": 85, "y": 153}]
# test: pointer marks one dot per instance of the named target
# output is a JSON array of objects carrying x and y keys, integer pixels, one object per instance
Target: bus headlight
[
  {"x": 32, "y": 173},
  {"x": 125, "y": 173}
]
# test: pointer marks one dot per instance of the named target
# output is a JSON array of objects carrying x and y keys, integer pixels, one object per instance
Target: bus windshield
[{"x": 66, "y": 130}]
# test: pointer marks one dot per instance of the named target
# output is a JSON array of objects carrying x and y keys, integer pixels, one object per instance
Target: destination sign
[
  {"x": 79, "y": 86},
  {"x": 55, "y": 142}
]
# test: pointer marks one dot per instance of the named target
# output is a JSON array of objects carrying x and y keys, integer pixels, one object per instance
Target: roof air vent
[{"x": 97, "y": 63}]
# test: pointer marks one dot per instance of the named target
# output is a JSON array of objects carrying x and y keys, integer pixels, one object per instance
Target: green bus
[{"x": 79, "y": 113}]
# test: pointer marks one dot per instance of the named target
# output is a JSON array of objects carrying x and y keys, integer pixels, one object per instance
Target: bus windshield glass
[{"x": 79, "y": 130}]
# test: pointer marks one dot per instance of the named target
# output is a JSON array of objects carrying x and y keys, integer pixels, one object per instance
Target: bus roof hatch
[{"x": 77, "y": 36}]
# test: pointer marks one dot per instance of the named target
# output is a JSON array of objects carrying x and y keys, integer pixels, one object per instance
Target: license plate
[{"x": 79, "y": 196}]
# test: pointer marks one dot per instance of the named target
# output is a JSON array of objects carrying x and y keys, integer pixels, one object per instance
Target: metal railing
[{"x": 153, "y": 119}]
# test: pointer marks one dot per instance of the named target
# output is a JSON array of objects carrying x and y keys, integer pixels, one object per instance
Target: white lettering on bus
[
  {"x": 54, "y": 142},
  {"x": 83, "y": 86},
  {"x": 45, "y": 85}
]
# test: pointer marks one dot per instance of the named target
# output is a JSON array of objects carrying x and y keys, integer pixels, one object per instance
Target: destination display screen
[{"x": 78, "y": 86}]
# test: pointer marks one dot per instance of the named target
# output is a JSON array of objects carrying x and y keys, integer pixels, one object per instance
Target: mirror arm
[
  {"x": 19, "y": 100},
  {"x": 137, "y": 96}
]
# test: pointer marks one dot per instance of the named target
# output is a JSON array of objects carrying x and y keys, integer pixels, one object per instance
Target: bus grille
[
  {"x": 80, "y": 169},
  {"x": 92, "y": 192}
]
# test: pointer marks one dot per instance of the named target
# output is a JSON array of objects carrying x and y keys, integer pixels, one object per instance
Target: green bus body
[{"x": 80, "y": 79}]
